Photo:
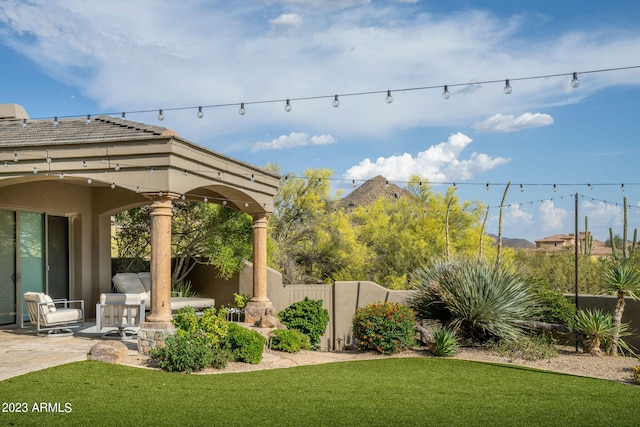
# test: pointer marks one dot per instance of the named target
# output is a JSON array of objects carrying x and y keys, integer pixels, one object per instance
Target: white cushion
[
  {"x": 41, "y": 297},
  {"x": 130, "y": 283},
  {"x": 63, "y": 315},
  {"x": 198, "y": 303},
  {"x": 120, "y": 299},
  {"x": 145, "y": 278}
]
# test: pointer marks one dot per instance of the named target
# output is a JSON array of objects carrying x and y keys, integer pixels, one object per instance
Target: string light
[
  {"x": 253, "y": 178},
  {"x": 137, "y": 188},
  {"x": 336, "y": 102},
  {"x": 574, "y": 81},
  {"x": 55, "y": 122},
  {"x": 116, "y": 167},
  {"x": 24, "y": 123},
  {"x": 388, "y": 99},
  {"x": 242, "y": 111},
  {"x": 15, "y": 157},
  {"x": 445, "y": 93},
  {"x": 124, "y": 116},
  {"x": 113, "y": 185},
  {"x": 200, "y": 114},
  {"x": 89, "y": 181},
  {"x": 353, "y": 183},
  {"x": 507, "y": 87},
  {"x": 486, "y": 187},
  {"x": 555, "y": 188},
  {"x": 622, "y": 188},
  {"x": 160, "y": 115},
  {"x": 206, "y": 199},
  {"x": 521, "y": 188},
  {"x": 35, "y": 170},
  {"x": 219, "y": 175},
  {"x": 287, "y": 106},
  {"x": 88, "y": 120}
]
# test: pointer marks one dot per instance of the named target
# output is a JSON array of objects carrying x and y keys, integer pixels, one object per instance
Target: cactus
[
  {"x": 624, "y": 230},
  {"x": 588, "y": 238},
  {"x": 614, "y": 252}
]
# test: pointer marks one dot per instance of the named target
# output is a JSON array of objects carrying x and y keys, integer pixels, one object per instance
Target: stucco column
[
  {"x": 158, "y": 324},
  {"x": 259, "y": 304}
]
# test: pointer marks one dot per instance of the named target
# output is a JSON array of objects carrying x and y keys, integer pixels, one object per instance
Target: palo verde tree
[{"x": 201, "y": 233}]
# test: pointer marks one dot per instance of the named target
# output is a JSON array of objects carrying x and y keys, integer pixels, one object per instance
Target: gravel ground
[{"x": 611, "y": 368}]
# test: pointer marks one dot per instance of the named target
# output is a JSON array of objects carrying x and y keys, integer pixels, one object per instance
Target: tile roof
[{"x": 100, "y": 129}]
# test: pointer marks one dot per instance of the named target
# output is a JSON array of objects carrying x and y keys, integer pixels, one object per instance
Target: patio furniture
[
  {"x": 124, "y": 312},
  {"x": 53, "y": 318},
  {"x": 140, "y": 284}
]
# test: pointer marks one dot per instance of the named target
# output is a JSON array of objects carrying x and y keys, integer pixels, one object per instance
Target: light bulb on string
[
  {"x": 521, "y": 188},
  {"x": 160, "y": 115},
  {"x": 206, "y": 199},
  {"x": 253, "y": 178},
  {"x": 123, "y": 117},
  {"x": 151, "y": 171},
  {"x": 622, "y": 188},
  {"x": 445, "y": 93},
  {"x": 242, "y": 111},
  {"x": 574, "y": 81},
  {"x": 220, "y": 175},
  {"x": 287, "y": 106},
  {"x": 183, "y": 197},
  {"x": 55, "y": 122},
  {"x": 388, "y": 99},
  {"x": 116, "y": 167},
  {"x": 137, "y": 189},
  {"x": 61, "y": 176},
  {"x": 336, "y": 102},
  {"x": 200, "y": 114},
  {"x": 486, "y": 187},
  {"x": 48, "y": 160},
  {"x": 35, "y": 170},
  {"x": 353, "y": 183},
  {"x": 386, "y": 184},
  {"x": 246, "y": 204},
  {"x": 84, "y": 164},
  {"x": 6, "y": 164},
  {"x": 224, "y": 202},
  {"x": 89, "y": 180},
  {"x": 24, "y": 123},
  {"x": 113, "y": 185},
  {"x": 507, "y": 87},
  {"x": 88, "y": 120},
  {"x": 590, "y": 187},
  {"x": 555, "y": 188},
  {"x": 15, "y": 157}
]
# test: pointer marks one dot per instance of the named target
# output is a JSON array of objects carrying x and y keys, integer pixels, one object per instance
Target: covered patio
[{"x": 61, "y": 181}]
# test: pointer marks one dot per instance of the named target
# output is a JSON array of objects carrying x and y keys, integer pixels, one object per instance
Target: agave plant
[
  {"x": 598, "y": 329},
  {"x": 445, "y": 342},
  {"x": 476, "y": 299}
]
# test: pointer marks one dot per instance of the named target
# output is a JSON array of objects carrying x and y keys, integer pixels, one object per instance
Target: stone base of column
[
  {"x": 254, "y": 310},
  {"x": 153, "y": 334}
]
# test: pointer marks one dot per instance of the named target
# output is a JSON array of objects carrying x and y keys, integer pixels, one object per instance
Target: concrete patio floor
[{"x": 22, "y": 351}]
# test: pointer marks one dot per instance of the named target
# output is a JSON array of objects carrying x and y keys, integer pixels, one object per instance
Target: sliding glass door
[
  {"x": 34, "y": 257},
  {"x": 31, "y": 267},
  {"x": 8, "y": 301}
]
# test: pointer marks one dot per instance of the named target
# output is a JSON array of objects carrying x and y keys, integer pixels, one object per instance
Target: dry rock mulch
[{"x": 612, "y": 368}]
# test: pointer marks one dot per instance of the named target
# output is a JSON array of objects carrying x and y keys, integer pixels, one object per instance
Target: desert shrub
[
  {"x": 307, "y": 316},
  {"x": 220, "y": 357},
  {"x": 183, "y": 352},
  {"x": 597, "y": 329},
  {"x": 245, "y": 345},
  {"x": 554, "y": 307},
  {"x": 445, "y": 342},
  {"x": 534, "y": 347},
  {"x": 184, "y": 287},
  {"x": 212, "y": 324},
  {"x": 384, "y": 327},
  {"x": 476, "y": 299},
  {"x": 290, "y": 340}
]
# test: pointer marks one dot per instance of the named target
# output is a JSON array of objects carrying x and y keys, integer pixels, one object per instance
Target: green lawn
[{"x": 387, "y": 392}]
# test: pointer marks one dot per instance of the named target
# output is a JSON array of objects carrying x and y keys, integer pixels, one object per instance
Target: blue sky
[{"x": 75, "y": 58}]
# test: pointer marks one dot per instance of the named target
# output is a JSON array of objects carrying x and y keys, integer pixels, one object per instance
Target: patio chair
[
  {"x": 124, "y": 312},
  {"x": 53, "y": 318}
]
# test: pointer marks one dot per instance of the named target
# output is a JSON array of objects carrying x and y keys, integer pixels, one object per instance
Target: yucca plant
[
  {"x": 622, "y": 280},
  {"x": 445, "y": 342},
  {"x": 598, "y": 329},
  {"x": 477, "y": 300}
]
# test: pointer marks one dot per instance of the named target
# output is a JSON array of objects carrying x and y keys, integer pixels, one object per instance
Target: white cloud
[
  {"x": 552, "y": 218},
  {"x": 438, "y": 163},
  {"x": 288, "y": 19},
  {"x": 294, "y": 139},
  {"x": 514, "y": 215},
  {"x": 509, "y": 123},
  {"x": 603, "y": 213}
]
